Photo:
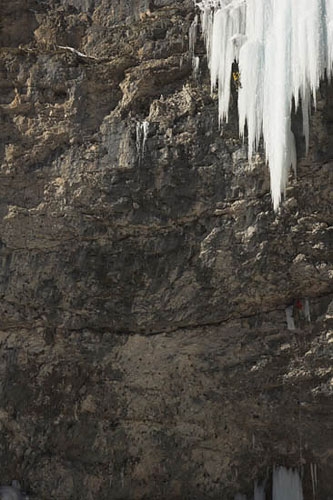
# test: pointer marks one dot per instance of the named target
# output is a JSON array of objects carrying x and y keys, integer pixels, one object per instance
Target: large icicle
[
  {"x": 287, "y": 484},
  {"x": 284, "y": 48}
]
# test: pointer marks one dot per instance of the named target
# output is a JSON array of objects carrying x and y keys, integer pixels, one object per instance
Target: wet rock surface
[{"x": 144, "y": 343}]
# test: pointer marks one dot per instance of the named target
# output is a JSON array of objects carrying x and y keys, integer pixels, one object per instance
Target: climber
[
  {"x": 298, "y": 305},
  {"x": 301, "y": 314},
  {"x": 236, "y": 79}
]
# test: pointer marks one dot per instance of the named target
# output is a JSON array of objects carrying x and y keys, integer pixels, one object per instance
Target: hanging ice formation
[
  {"x": 192, "y": 35},
  {"x": 284, "y": 48},
  {"x": 314, "y": 480},
  {"x": 192, "y": 38},
  {"x": 195, "y": 66},
  {"x": 141, "y": 137},
  {"x": 290, "y": 318},
  {"x": 287, "y": 484},
  {"x": 259, "y": 491}
]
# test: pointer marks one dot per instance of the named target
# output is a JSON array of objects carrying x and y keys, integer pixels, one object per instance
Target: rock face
[{"x": 144, "y": 345}]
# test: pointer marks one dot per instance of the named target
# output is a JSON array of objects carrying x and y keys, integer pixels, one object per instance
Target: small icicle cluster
[
  {"x": 192, "y": 37},
  {"x": 141, "y": 137},
  {"x": 287, "y": 485},
  {"x": 283, "y": 48}
]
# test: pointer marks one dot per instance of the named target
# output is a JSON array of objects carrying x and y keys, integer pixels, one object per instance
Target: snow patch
[{"x": 77, "y": 52}]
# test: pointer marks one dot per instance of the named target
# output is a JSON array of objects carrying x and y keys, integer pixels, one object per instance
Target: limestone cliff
[{"x": 144, "y": 345}]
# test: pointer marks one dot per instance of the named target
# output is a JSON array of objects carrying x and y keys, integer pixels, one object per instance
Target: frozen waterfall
[{"x": 283, "y": 48}]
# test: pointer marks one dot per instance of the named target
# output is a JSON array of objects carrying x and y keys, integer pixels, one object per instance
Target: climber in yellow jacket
[{"x": 236, "y": 79}]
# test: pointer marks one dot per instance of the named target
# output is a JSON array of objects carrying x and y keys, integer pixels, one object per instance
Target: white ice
[
  {"x": 287, "y": 484},
  {"x": 195, "y": 66},
  {"x": 192, "y": 38},
  {"x": 141, "y": 137},
  {"x": 284, "y": 48},
  {"x": 290, "y": 317},
  {"x": 192, "y": 35}
]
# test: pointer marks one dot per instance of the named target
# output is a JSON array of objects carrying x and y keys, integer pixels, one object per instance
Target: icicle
[
  {"x": 145, "y": 127},
  {"x": 195, "y": 66},
  {"x": 227, "y": 25},
  {"x": 259, "y": 492},
  {"x": 287, "y": 484},
  {"x": 141, "y": 137},
  {"x": 307, "y": 310},
  {"x": 314, "y": 480},
  {"x": 290, "y": 318},
  {"x": 138, "y": 138},
  {"x": 192, "y": 35},
  {"x": 284, "y": 48}
]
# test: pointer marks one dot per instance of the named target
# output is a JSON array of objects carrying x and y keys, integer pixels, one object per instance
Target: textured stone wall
[{"x": 144, "y": 345}]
